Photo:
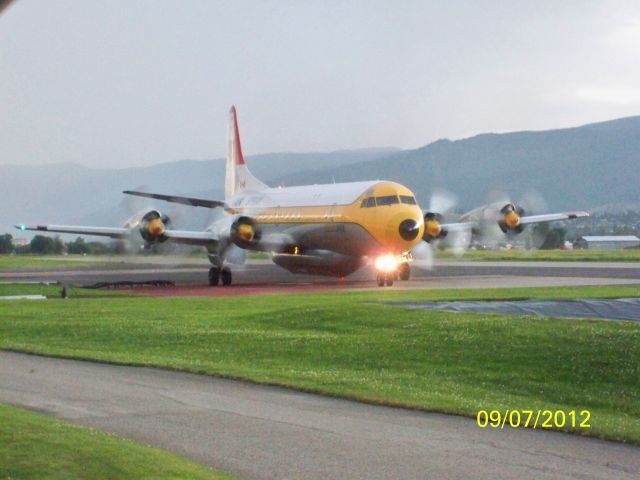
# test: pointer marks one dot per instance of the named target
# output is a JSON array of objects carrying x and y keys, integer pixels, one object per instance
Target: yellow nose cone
[
  {"x": 433, "y": 228},
  {"x": 155, "y": 227},
  {"x": 512, "y": 219},
  {"x": 245, "y": 232}
]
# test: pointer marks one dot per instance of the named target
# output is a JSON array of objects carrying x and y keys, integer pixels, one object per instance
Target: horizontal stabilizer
[{"x": 194, "y": 202}]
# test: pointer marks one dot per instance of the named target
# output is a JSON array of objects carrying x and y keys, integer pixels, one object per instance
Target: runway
[
  {"x": 261, "y": 276},
  {"x": 261, "y": 432}
]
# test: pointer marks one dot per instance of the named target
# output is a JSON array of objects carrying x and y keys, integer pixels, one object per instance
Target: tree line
[{"x": 43, "y": 245}]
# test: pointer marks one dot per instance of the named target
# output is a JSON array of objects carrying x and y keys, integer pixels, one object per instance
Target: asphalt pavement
[
  {"x": 262, "y": 432},
  {"x": 262, "y": 275}
]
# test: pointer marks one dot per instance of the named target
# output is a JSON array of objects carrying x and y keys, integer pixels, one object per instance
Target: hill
[
  {"x": 584, "y": 167},
  {"x": 69, "y": 193},
  {"x": 572, "y": 168}
]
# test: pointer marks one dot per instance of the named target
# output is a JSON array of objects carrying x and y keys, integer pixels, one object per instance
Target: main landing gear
[{"x": 219, "y": 275}]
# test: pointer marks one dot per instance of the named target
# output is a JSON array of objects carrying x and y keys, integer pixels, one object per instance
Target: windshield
[
  {"x": 368, "y": 202},
  {"x": 408, "y": 199},
  {"x": 387, "y": 200}
]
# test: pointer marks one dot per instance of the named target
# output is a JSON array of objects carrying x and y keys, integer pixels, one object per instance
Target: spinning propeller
[{"x": 457, "y": 236}]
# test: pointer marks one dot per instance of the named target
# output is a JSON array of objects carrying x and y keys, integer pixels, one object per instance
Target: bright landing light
[{"x": 386, "y": 263}]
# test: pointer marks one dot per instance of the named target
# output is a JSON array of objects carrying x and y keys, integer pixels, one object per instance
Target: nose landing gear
[
  {"x": 386, "y": 278},
  {"x": 403, "y": 272}
]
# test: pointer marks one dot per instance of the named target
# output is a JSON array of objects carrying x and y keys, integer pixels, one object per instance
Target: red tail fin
[
  {"x": 234, "y": 137},
  {"x": 238, "y": 177}
]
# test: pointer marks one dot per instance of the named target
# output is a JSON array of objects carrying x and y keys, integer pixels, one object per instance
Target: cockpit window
[
  {"x": 387, "y": 200},
  {"x": 368, "y": 202},
  {"x": 408, "y": 199}
]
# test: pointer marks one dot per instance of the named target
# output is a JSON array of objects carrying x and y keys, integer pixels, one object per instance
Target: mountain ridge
[{"x": 581, "y": 167}]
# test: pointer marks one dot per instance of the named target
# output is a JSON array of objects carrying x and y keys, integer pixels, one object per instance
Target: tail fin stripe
[
  {"x": 236, "y": 134},
  {"x": 238, "y": 178}
]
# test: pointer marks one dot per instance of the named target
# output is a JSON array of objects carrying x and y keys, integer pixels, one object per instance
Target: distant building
[
  {"x": 20, "y": 242},
  {"x": 607, "y": 242}
]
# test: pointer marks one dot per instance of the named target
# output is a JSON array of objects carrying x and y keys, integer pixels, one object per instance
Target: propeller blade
[
  {"x": 423, "y": 256},
  {"x": 533, "y": 203},
  {"x": 442, "y": 201},
  {"x": 459, "y": 239}
]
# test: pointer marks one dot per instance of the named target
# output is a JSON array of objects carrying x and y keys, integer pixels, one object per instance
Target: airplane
[{"x": 332, "y": 229}]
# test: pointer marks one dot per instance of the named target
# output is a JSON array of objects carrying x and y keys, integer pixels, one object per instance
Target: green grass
[
  {"x": 550, "y": 255},
  {"x": 19, "y": 262},
  {"x": 54, "y": 291},
  {"x": 36, "y": 446},
  {"x": 347, "y": 345}
]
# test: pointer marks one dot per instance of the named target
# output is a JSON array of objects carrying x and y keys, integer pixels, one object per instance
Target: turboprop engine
[
  {"x": 505, "y": 215},
  {"x": 151, "y": 226},
  {"x": 244, "y": 232},
  {"x": 509, "y": 218},
  {"x": 433, "y": 229}
]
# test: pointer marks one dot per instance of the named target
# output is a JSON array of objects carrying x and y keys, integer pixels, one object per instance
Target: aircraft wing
[
  {"x": 473, "y": 221},
  {"x": 483, "y": 215},
  {"x": 113, "y": 232},
  {"x": 194, "y": 202},
  {"x": 457, "y": 227},
  {"x": 551, "y": 217},
  {"x": 177, "y": 236},
  {"x": 191, "y": 237}
]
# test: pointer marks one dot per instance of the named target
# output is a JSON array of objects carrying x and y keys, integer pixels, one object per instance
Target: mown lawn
[
  {"x": 55, "y": 291},
  {"x": 348, "y": 345},
  {"x": 36, "y": 446},
  {"x": 19, "y": 262}
]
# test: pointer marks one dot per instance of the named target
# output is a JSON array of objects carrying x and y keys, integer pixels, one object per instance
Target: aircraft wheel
[
  {"x": 214, "y": 276},
  {"x": 404, "y": 271},
  {"x": 226, "y": 277},
  {"x": 380, "y": 279},
  {"x": 389, "y": 278}
]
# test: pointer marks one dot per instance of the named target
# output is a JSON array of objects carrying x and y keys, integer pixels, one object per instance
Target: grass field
[
  {"x": 54, "y": 291},
  {"x": 19, "y": 262},
  {"x": 347, "y": 345},
  {"x": 36, "y": 446},
  {"x": 549, "y": 255}
]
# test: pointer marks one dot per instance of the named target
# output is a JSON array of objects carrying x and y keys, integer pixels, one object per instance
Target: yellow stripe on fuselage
[{"x": 382, "y": 222}]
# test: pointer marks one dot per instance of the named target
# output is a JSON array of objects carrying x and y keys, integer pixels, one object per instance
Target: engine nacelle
[
  {"x": 244, "y": 232},
  {"x": 151, "y": 226},
  {"x": 433, "y": 227},
  {"x": 509, "y": 219}
]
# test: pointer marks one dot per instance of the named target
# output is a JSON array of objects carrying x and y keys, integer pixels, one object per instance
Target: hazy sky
[{"x": 123, "y": 83}]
